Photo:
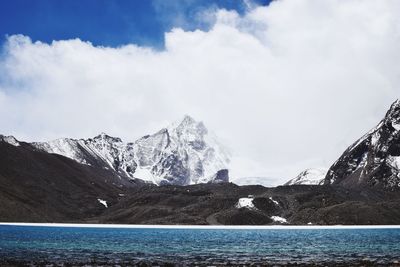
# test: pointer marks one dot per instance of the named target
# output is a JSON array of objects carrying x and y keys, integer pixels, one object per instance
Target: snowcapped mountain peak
[
  {"x": 393, "y": 115},
  {"x": 107, "y": 138},
  {"x": 188, "y": 126},
  {"x": 187, "y": 120},
  {"x": 182, "y": 153},
  {"x": 189, "y": 132},
  {"x": 102, "y": 135},
  {"x": 314, "y": 176},
  {"x": 395, "y": 105}
]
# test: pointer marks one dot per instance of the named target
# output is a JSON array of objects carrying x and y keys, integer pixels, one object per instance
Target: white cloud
[{"x": 287, "y": 86}]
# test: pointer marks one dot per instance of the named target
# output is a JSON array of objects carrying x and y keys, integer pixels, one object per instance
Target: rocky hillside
[
  {"x": 374, "y": 160},
  {"x": 36, "y": 186}
]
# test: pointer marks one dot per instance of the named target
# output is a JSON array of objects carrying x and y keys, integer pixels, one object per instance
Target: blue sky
[{"x": 106, "y": 22}]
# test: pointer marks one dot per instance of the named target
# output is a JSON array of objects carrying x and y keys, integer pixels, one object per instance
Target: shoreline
[{"x": 202, "y": 227}]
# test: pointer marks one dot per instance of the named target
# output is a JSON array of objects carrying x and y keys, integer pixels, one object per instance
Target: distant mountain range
[
  {"x": 179, "y": 175},
  {"x": 183, "y": 153}
]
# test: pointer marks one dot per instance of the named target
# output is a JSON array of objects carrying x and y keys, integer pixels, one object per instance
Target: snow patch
[
  {"x": 396, "y": 126},
  {"x": 375, "y": 138},
  {"x": 394, "y": 162},
  {"x": 363, "y": 161},
  {"x": 10, "y": 140},
  {"x": 103, "y": 202},
  {"x": 245, "y": 202},
  {"x": 145, "y": 174},
  {"x": 275, "y": 202},
  {"x": 278, "y": 219}
]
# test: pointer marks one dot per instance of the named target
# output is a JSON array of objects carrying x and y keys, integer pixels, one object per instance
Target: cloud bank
[{"x": 286, "y": 86}]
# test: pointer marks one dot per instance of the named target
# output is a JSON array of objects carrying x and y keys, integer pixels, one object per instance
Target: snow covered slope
[
  {"x": 101, "y": 151},
  {"x": 309, "y": 177},
  {"x": 374, "y": 159},
  {"x": 9, "y": 139},
  {"x": 183, "y": 153},
  {"x": 264, "y": 181}
]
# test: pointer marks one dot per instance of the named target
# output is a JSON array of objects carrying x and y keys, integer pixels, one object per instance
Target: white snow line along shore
[{"x": 204, "y": 227}]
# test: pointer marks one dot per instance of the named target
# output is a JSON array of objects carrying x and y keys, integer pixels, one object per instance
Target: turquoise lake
[{"x": 75, "y": 244}]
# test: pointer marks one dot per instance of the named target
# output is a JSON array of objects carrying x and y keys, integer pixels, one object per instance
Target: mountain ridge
[
  {"x": 311, "y": 176},
  {"x": 374, "y": 159},
  {"x": 183, "y": 153}
]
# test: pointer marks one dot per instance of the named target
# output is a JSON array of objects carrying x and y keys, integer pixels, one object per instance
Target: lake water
[{"x": 114, "y": 245}]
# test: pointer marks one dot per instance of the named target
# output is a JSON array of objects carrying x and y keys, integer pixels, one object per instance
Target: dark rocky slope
[
  {"x": 373, "y": 160},
  {"x": 37, "y": 186},
  {"x": 216, "y": 204}
]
